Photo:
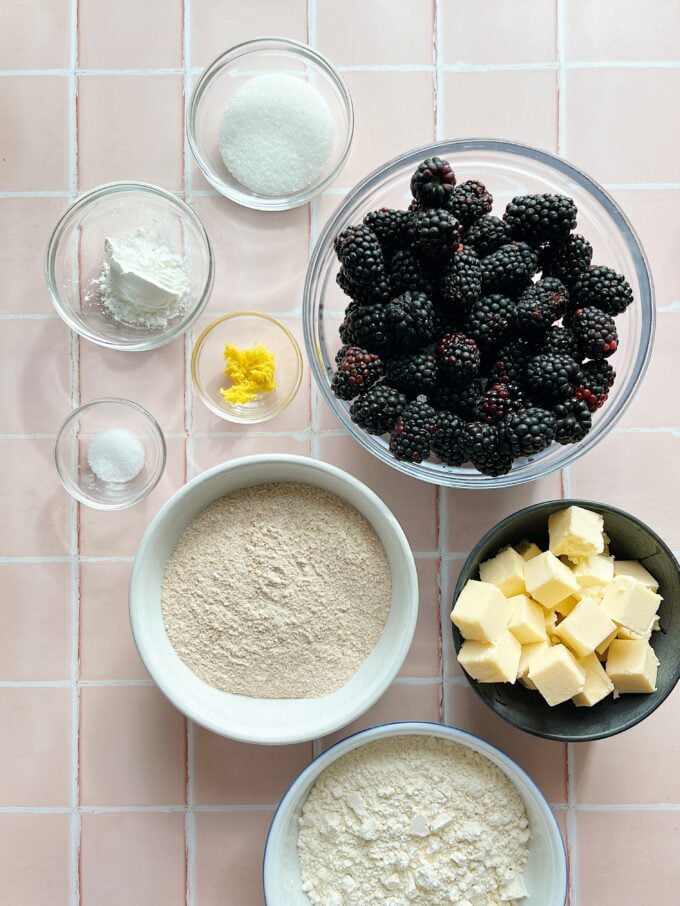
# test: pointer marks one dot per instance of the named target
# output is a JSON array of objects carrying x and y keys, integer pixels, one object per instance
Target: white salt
[
  {"x": 276, "y": 135},
  {"x": 116, "y": 455}
]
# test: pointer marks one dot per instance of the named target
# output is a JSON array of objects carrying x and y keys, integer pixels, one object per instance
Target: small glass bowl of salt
[
  {"x": 270, "y": 123},
  {"x": 110, "y": 454}
]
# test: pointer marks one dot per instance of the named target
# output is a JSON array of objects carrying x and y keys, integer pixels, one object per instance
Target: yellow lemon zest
[{"x": 251, "y": 372}]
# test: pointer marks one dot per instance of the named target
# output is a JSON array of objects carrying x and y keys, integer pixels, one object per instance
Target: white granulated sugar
[
  {"x": 276, "y": 135},
  {"x": 277, "y": 591},
  {"x": 116, "y": 455},
  {"x": 413, "y": 819}
]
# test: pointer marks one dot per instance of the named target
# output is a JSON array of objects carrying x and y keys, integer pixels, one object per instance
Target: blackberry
[
  {"x": 367, "y": 327},
  {"x": 412, "y": 373},
  {"x": 602, "y": 288},
  {"x": 342, "y": 237},
  {"x": 377, "y": 410},
  {"x": 458, "y": 358},
  {"x": 487, "y": 234},
  {"x": 509, "y": 269},
  {"x": 511, "y": 361},
  {"x": 560, "y": 339},
  {"x": 390, "y": 226},
  {"x": 406, "y": 273},
  {"x": 499, "y": 401},
  {"x": 596, "y": 333},
  {"x": 567, "y": 259},
  {"x": 432, "y": 183},
  {"x": 346, "y": 329},
  {"x": 552, "y": 376},
  {"x": 469, "y": 201},
  {"x": 461, "y": 399},
  {"x": 461, "y": 282},
  {"x": 540, "y": 218},
  {"x": 597, "y": 379},
  {"x": 486, "y": 447},
  {"x": 413, "y": 431},
  {"x": 540, "y": 305},
  {"x": 362, "y": 256},
  {"x": 411, "y": 320},
  {"x": 367, "y": 293},
  {"x": 574, "y": 421},
  {"x": 530, "y": 430},
  {"x": 435, "y": 233},
  {"x": 489, "y": 319},
  {"x": 446, "y": 439},
  {"x": 357, "y": 371}
]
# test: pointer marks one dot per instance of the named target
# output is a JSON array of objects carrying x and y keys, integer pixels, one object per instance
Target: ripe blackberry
[
  {"x": 362, "y": 257},
  {"x": 488, "y": 320},
  {"x": 595, "y": 332},
  {"x": 487, "y": 234},
  {"x": 461, "y": 281},
  {"x": 574, "y": 421},
  {"x": 461, "y": 399},
  {"x": 377, "y": 410},
  {"x": 511, "y": 361},
  {"x": 540, "y": 218},
  {"x": 602, "y": 288},
  {"x": 432, "y": 183},
  {"x": 407, "y": 273},
  {"x": 530, "y": 430},
  {"x": 486, "y": 447},
  {"x": 597, "y": 379},
  {"x": 342, "y": 237},
  {"x": 509, "y": 269},
  {"x": 367, "y": 327},
  {"x": 559, "y": 339},
  {"x": 458, "y": 358},
  {"x": 540, "y": 305},
  {"x": 499, "y": 401},
  {"x": 435, "y": 233},
  {"x": 469, "y": 201},
  {"x": 410, "y": 320},
  {"x": 566, "y": 259},
  {"x": 390, "y": 226},
  {"x": 367, "y": 293},
  {"x": 412, "y": 373},
  {"x": 552, "y": 377},
  {"x": 446, "y": 439},
  {"x": 413, "y": 431},
  {"x": 357, "y": 371}
]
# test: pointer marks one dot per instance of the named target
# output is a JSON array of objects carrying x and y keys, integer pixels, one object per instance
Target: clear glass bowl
[
  {"x": 73, "y": 443},
  {"x": 75, "y": 254},
  {"x": 508, "y": 169},
  {"x": 226, "y": 75}
]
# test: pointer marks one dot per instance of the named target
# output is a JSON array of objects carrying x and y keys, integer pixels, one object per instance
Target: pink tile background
[{"x": 107, "y": 796}]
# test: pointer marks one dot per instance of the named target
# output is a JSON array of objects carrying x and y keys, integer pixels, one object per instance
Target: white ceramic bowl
[
  {"x": 257, "y": 720},
  {"x": 545, "y": 873}
]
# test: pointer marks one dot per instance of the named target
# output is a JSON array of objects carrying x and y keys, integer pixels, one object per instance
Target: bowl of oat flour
[
  {"x": 414, "y": 812},
  {"x": 273, "y": 599}
]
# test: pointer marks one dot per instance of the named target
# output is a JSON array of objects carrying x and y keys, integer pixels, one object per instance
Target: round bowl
[
  {"x": 74, "y": 440},
  {"x": 229, "y": 72},
  {"x": 243, "y": 329},
  {"x": 545, "y": 873},
  {"x": 508, "y": 169},
  {"x": 631, "y": 539},
  {"x": 75, "y": 254},
  {"x": 257, "y": 720}
]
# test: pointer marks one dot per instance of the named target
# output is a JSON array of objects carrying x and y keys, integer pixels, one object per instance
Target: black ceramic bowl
[{"x": 630, "y": 540}]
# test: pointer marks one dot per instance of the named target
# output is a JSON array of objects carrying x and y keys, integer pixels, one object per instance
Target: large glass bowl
[{"x": 507, "y": 169}]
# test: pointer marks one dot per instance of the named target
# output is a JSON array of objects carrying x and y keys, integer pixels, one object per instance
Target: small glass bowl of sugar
[{"x": 110, "y": 454}]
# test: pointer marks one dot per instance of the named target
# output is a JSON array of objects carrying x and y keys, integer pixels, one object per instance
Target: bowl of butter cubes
[{"x": 566, "y": 620}]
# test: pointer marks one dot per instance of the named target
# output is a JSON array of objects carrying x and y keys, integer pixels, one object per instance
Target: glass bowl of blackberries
[{"x": 478, "y": 313}]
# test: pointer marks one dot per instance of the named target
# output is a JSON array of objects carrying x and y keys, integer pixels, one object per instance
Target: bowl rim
[
  {"x": 195, "y": 376},
  {"x": 84, "y": 200},
  {"x": 255, "y": 45},
  {"x": 467, "y": 565},
  {"x": 330, "y": 725},
  {"x": 410, "y": 727},
  {"x": 440, "y": 475},
  {"x": 157, "y": 432}
]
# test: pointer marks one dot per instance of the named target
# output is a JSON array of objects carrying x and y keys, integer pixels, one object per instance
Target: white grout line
[
  {"x": 572, "y": 835},
  {"x": 561, "y": 79}
]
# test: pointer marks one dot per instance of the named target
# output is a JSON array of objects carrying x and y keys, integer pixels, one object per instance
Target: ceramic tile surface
[{"x": 108, "y": 796}]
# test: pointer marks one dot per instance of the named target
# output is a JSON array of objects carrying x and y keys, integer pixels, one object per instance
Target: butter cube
[
  {"x": 565, "y": 607},
  {"x": 496, "y": 663},
  {"x": 551, "y": 622},
  {"x": 631, "y": 604},
  {"x": 548, "y": 580},
  {"x": 506, "y": 571},
  {"x": 527, "y": 549},
  {"x": 576, "y": 532},
  {"x": 527, "y": 622},
  {"x": 586, "y": 627},
  {"x": 598, "y": 685},
  {"x": 603, "y": 647},
  {"x": 636, "y": 571},
  {"x": 481, "y": 612},
  {"x": 557, "y": 675},
  {"x": 529, "y": 652},
  {"x": 629, "y": 636},
  {"x": 632, "y": 666},
  {"x": 595, "y": 570}
]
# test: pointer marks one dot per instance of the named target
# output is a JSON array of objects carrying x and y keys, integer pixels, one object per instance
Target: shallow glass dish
[
  {"x": 74, "y": 440},
  {"x": 75, "y": 254},
  {"x": 244, "y": 329},
  {"x": 508, "y": 169},
  {"x": 229, "y": 72}
]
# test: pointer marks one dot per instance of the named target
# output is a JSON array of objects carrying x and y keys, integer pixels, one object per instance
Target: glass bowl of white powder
[
  {"x": 129, "y": 266},
  {"x": 270, "y": 124}
]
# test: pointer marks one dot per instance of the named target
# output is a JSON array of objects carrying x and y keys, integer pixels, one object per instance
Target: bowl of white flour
[
  {"x": 414, "y": 812},
  {"x": 273, "y": 599}
]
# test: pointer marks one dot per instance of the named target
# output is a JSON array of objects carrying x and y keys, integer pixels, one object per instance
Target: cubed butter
[
  {"x": 527, "y": 621},
  {"x": 557, "y": 675},
  {"x": 636, "y": 571},
  {"x": 552, "y": 618},
  {"x": 529, "y": 652},
  {"x": 565, "y": 607},
  {"x": 548, "y": 580},
  {"x": 576, "y": 532},
  {"x": 527, "y": 549},
  {"x": 629, "y": 636},
  {"x": 632, "y": 666},
  {"x": 595, "y": 570},
  {"x": 482, "y": 611},
  {"x": 603, "y": 647},
  {"x": 505, "y": 571},
  {"x": 586, "y": 627},
  {"x": 631, "y": 604},
  {"x": 496, "y": 663},
  {"x": 598, "y": 685}
]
